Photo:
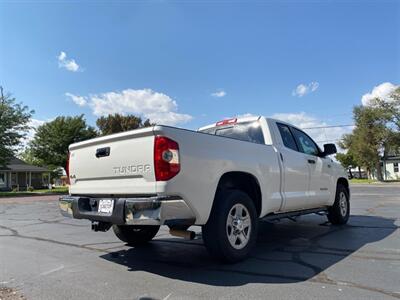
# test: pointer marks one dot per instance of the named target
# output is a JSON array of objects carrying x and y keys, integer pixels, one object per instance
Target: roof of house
[
  {"x": 17, "y": 165},
  {"x": 389, "y": 158}
]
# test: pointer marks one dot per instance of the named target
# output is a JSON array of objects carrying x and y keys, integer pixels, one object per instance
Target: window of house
[
  {"x": 396, "y": 167},
  {"x": 2, "y": 179}
]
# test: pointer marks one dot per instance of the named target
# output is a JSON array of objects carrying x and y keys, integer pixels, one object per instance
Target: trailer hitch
[{"x": 101, "y": 226}]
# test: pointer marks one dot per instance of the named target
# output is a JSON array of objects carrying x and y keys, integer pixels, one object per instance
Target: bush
[{"x": 30, "y": 189}]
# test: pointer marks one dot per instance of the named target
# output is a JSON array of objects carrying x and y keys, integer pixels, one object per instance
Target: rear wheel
[
  {"x": 135, "y": 235},
  {"x": 231, "y": 231},
  {"x": 339, "y": 212}
]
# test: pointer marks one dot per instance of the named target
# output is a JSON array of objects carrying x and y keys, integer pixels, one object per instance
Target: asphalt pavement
[{"x": 46, "y": 256}]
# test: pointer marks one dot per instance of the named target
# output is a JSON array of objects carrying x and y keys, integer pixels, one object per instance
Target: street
[{"x": 46, "y": 256}]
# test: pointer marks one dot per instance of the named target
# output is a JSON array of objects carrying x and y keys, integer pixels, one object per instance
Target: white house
[{"x": 390, "y": 168}]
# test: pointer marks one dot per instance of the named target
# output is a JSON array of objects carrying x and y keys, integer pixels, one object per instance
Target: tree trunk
[
  {"x": 379, "y": 171},
  {"x": 351, "y": 174},
  {"x": 359, "y": 172}
]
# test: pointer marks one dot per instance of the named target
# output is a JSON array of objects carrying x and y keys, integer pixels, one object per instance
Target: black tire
[
  {"x": 339, "y": 212},
  {"x": 216, "y": 232},
  {"x": 135, "y": 235}
]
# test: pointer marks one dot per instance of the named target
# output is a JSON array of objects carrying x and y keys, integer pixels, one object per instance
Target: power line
[
  {"x": 329, "y": 126},
  {"x": 328, "y": 141}
]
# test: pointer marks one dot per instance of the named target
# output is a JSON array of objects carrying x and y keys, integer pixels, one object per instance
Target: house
[
  {"x": 390, "y": 167},
  {"x": 17, "y": 174},
  {"x": 358, "y": 173}
]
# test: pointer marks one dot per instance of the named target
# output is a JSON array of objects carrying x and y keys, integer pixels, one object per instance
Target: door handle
[
  {"x": 102, "y": 152},
  {"x": 311, "y": 161},
  {"x": 280, "y": 154}
]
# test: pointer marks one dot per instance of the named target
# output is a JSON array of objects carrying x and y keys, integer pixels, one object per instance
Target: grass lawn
[
  {"x": 369, "y": 181},
  {"x": 355, "y": 180},
  {"x": 57, "y": 190}
]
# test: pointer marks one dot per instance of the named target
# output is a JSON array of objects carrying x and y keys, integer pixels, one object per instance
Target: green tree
[
  {"x": 369, "y": 137},
  {"x": 391, "y": 109},
  {"x": 392, "y": 106},
  {"x": 14, "y": 119},
  {"x": 118, "y": 123},
  {"x": 28, "y": 157},
  {"x": 347, "y": 160},
  {"x": 50, "y": 143}
]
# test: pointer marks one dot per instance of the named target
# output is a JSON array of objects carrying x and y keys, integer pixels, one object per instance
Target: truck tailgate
[{"x": 116, "y": 164}]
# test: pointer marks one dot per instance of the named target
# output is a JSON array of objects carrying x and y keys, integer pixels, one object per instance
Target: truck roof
[
  {"x": 238, "y": 120},
  {"x": 247, "y": 119}
]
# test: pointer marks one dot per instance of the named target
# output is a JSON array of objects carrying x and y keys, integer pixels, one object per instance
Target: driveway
[{"x": 46, "y": 256}]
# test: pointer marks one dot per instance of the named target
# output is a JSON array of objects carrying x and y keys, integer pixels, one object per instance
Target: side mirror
[{"x": 329, "y": 149}]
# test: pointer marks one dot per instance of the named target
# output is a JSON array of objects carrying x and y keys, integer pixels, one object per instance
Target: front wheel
[
  {"x": 231, "y": 231},
  {"x": 339, "y": 212},
  {"x": 135, "y": 235}
]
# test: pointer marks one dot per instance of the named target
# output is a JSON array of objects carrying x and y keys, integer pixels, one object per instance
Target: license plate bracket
[{"x": 106, "y": 206}]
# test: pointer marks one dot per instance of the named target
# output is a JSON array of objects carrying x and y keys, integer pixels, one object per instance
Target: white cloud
[
  {"x": 79, "y": 100},
  {"x": 300, "y": 90},
  {"x": 219, "y": 94},
  {"x": 314, "y": 86},
  {"x": 303, "y": 89},
  {"x": 157, "y": 107},
  {"x": 246, "y": 115},
  {"x": 68, "y": 64},
  {"x": 62, "y": 56},
  {"x": 168, "y": 118},
  {"x": 381, "y": 91},
  {"x": 301, "y": 119},
  {"x": 319, "y": 135},
  {"x": 33, "y": 124}
]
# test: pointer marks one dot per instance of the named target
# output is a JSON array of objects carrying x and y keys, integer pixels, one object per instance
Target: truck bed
[{"x": 128, "y": 170}]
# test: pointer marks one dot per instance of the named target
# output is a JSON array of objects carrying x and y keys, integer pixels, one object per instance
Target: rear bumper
[{"x": 130, "y": 211}]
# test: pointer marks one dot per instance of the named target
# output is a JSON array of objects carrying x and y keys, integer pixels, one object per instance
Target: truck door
[
  {"x": 296, "y": 172},
  {"x": 320, "y": 169}
]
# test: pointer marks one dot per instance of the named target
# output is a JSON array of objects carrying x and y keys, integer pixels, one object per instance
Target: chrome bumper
[
  {"x": 130, "y": 211},
  {"x": 65, "y": 205}
]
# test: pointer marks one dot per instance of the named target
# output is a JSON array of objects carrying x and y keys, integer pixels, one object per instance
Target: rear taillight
[
  {"x": 166, "y": 158},
  {"x": 67, "y": 167}
]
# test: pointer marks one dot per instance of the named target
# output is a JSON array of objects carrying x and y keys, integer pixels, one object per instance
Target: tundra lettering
[{"x": 127, "y": 170}]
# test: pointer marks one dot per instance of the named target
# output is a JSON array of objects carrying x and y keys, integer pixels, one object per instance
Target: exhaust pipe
[{"x": 186, "y": 234}]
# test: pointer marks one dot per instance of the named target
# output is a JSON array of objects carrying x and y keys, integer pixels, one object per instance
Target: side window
[
  {"x": 287, "y": 137},
  {"x": 396, "y": 167},
  {"x": 306, "y": 144}
]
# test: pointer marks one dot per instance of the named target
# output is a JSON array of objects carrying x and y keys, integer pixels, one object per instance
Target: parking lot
[{"x": 46, "y": 256}]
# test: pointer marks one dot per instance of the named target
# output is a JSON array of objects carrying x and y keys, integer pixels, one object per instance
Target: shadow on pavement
[{"x": 285, "y": 252}]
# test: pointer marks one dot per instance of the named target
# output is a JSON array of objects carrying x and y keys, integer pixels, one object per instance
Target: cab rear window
[{"x": 248, "y": 132}]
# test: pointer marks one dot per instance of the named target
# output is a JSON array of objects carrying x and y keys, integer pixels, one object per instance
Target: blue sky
[{"x": 191, "y": 63}]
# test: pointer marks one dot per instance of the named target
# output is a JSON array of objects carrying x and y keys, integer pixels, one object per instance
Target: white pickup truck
[{"x": 224, "y": 177}]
